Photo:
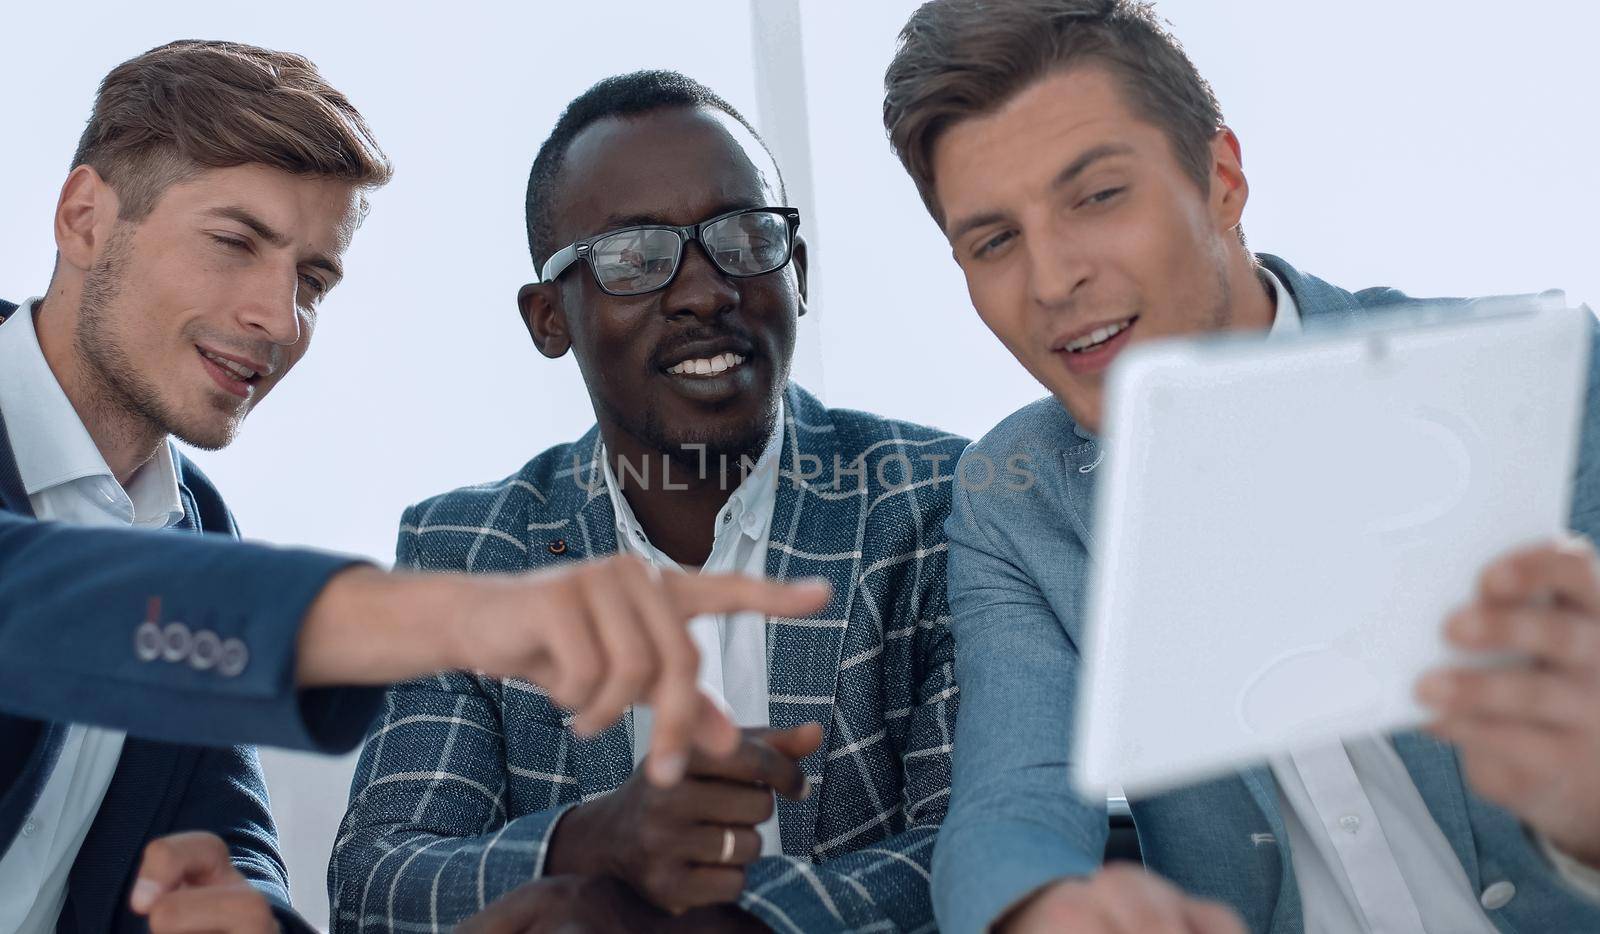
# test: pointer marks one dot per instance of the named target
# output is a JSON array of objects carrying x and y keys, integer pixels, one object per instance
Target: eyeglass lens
[{"x": 645, "y": 258}]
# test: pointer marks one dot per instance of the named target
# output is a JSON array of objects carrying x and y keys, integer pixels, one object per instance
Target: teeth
[
  {"x": 1098, "y": 336},
  {"x": 707, "y": 366},
  {"x": 237, "y": 369}
]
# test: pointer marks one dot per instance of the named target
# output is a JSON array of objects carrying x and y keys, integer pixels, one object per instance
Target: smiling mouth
[
  {"x": 237, "y": 370},
  {"x": 1099, "y": 336},
  {"x": 714, "y": 365}
]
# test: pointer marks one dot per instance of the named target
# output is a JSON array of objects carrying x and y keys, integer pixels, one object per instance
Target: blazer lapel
[
  {"x": 1437, "y": 774},
  {"x": 17, "y": 800},
  {"x": 803, "y": 654},
  {"x": 578, "y": 523},
  {"x": 1286, "y": 913},
  {"x": 13, "y": 496}
]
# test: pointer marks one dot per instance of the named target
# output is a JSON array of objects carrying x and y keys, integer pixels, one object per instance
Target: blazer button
[
  {"x": 176, "y": 640},
  {"x": 234, "y": 657},
  {"x": 1498, "y": 895},
  {"x": 558, "y": 547},
  {"x": 207, "y": 650},
  {"x": 147, "y": 642}
]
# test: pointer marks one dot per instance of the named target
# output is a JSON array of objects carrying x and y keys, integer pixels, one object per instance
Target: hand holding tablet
[{"x": 1285, "y": 527}]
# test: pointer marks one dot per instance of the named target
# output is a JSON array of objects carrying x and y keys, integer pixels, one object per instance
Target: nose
[
  {"x": 700, "y": 288},
  {"x": 269, "y": 309},
  {"x": 1058, "y": 267}
]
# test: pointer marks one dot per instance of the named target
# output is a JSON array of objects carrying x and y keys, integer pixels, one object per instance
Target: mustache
[
  {"x": 260, "y": 350},
  {"x": 700, "y": 334}
]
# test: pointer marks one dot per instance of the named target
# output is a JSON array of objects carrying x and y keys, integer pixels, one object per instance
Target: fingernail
[
  {"x": 668, "y": 767},
  {"x": 805, "y": 790},
  {"x": 144, "y": 895}
]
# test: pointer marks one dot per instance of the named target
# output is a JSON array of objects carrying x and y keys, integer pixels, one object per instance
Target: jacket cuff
[{"x": 982, "y": 871}]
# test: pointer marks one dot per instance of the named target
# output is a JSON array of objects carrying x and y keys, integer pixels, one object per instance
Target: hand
[
  {"x": 668, "y": 843},
  {"x": 568, "y": 905},
  {"x": 1529, "y": 734},
  {"x": 1119, "y": 899},
  {"x": 578, "y": 904},
  {"x": 187, "y": 883},
  {"x": 596, "y": 635}
]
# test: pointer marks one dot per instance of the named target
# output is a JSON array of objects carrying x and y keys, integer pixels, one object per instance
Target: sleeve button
[
  {"x": 176, "y": 640},
  {"x": 147, "y": 642},
  {"x": 207, "y": 650},
  {"x": 234, "y": 658}
]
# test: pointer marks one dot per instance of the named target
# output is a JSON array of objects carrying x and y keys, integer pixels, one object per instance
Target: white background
[{"x": 1441, "y": 147}]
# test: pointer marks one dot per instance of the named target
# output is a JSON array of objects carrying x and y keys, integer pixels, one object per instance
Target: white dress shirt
[
  {"x": 66, "y": 480},
  {"x": 733, "y": 647},
  {"x": 1366, "y": 852}
]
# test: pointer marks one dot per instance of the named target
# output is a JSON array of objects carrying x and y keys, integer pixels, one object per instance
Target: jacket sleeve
[
  {"x": 1013, "y": 824},
  {"x": 227, "y": 796},
  {"x": 75, "y": 645},
  {"x": 883, "y": 886},
  {"x": 427, "y": 840}
]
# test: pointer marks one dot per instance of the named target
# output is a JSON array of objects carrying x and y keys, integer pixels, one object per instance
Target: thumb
[
  {"x": 196, "y": 858},
  {"x": 796, "y": 742}
]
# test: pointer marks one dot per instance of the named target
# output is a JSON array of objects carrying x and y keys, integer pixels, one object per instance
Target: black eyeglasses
[{"x": 635, "y": 260}]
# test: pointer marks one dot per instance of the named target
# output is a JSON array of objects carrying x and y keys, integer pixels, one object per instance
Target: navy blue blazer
[{"x": 65, "y": 592}]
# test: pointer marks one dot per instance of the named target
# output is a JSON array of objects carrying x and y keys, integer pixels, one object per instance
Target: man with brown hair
[
  {"x": 1080, "y": 169},
  {"x": 211, "y": 199}
]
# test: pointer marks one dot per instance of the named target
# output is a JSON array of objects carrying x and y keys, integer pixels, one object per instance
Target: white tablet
[{"x": 1283, "y": 527}]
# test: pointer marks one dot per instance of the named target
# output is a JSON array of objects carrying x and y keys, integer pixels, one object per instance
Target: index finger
[
  {"x": 732, "y": 593},
  {"x": 1566, "y": 569},
  {"x": 194, "y": 857},
  {"x": 755, "y": 762}
]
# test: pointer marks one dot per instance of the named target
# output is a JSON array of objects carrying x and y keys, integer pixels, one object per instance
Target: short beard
[
  {"x": 710, "y": 456},
  {"x": 119, "y": 394},
  {"x": 1221, "y": 314}
]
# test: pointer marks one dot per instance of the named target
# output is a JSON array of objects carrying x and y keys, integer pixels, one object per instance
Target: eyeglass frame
[{"x": 569, "y": 255}]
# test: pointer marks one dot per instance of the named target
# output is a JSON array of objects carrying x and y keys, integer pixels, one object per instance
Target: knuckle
[
  {"x": 661, "y": 881},
  {"x": 632, "y": 671},
  {"x": 728, "y": 886},
  {"x": 748, "y": 841},
  {"x": 655, "y": 836}
]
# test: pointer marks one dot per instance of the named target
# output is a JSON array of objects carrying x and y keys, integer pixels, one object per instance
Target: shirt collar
[
  {"x": 749, "y": 508},
  {"x": 49, "y": 442},
  {"x": 1286, "y": 322}
]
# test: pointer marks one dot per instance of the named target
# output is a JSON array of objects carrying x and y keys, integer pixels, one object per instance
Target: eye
[
  {"x": 1101, "y": 197},
  {"x": 314, "y": 284},
  {"x": 230, "y": 242},
  {"x": 988, "y": 247}
]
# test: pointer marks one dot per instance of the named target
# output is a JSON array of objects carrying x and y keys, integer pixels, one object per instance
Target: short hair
[
  {"x": 628, "y": 95},
  {"x": 959, "y": 59},
  {"x": 191, "y": 105}
]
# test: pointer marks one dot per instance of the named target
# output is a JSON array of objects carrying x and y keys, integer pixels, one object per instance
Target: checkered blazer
[{"x": 461, "y": 782}]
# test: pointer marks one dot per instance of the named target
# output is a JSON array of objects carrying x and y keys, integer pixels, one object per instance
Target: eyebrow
[
  {"x": 1063, "y": 178},
  {"x": 265, "y": 231}
]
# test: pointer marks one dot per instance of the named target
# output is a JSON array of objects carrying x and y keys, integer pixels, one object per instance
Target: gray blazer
[{"x": 1018, "y": 569}]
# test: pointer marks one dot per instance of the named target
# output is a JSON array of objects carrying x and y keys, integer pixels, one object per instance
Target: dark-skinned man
[{"x": 670, "y": 266}]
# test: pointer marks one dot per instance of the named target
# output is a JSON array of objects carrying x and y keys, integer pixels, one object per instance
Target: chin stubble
[{"x": 120, "y": 395}]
